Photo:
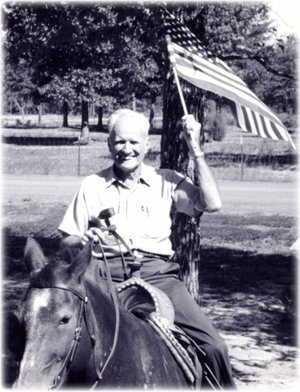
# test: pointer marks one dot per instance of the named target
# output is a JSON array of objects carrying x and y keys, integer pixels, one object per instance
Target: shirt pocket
[{"x": 157, "y": 218}]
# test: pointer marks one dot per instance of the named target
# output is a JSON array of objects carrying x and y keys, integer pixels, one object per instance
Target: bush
[
  {"x": 215, "y": 122},
  {"x": 219, "y": 127},
  {"x": 290, "y": 121}
]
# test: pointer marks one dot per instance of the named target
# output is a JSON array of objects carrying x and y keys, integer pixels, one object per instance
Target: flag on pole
[{"x": 198, "y": 66}]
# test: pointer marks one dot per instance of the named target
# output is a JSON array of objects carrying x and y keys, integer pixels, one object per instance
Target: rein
[{"x": 117, "y": 315}]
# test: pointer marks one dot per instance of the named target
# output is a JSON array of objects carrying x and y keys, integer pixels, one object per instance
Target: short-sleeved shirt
[{"x": 142, "y": 213}]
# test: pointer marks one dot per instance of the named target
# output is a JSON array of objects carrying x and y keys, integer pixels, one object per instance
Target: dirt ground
[
  {"x": 250, "y": 297},
  {"x": 253, "y": 307}
]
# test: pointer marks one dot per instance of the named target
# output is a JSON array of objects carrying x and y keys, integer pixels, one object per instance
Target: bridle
[{"x": 61, "y": 375}]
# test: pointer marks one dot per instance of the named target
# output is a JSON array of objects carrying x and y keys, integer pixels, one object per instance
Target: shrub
[{"x": 290, "y": 121}]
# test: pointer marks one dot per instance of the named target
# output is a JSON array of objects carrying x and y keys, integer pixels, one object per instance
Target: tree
[
  {"x": 103, "y": 54},
  {"x": 226, "y": 30},
  {"x": 66, "y": 43},
  {"x": 19, "y": 89},
  {"x": 100, "y": 45}
]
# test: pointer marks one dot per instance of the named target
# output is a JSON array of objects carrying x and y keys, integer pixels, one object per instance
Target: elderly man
[{"x": 141, "y": 197}]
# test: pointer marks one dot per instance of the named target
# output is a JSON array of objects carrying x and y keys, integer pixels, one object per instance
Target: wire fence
[
  {"x": 214, "y": 158},
  {"x": 68, "y": 154}
]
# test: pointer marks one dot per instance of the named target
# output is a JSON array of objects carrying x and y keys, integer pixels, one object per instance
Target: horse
[{"x": 69, "y": 319}]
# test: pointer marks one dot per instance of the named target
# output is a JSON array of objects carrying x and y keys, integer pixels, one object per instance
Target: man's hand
[
  {"x": 192, "y": 134},
  {"x": 94, "y": 233}
]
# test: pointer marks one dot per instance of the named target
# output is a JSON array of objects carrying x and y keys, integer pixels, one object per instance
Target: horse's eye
[{"x": 64, "y": 320}]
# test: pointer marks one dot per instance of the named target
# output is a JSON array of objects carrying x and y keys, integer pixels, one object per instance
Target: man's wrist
[{"x": 198, "y": 154}]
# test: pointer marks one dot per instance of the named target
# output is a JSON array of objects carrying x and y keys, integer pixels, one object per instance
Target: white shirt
[{"x": 142, "y": 214}]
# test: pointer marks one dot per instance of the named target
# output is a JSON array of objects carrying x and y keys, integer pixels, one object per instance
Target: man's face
[{"x": 128, "y": 144}]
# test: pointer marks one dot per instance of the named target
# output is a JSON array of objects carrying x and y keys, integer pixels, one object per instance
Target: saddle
[{"x": 154, "y": 306}]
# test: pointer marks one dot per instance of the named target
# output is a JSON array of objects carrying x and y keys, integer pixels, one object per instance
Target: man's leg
[
  {"x": 191, "y": 319},
  {"x": 188, "y": 314}
]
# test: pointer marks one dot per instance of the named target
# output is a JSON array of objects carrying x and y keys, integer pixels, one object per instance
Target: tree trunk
[
  {"x": 84, "y": 113},
  {"x": 100, "y": 126},
  {"x": 65, "y": 114},
  {"x": 174, "y": 155},
  {"x": 85, "y": 131}
]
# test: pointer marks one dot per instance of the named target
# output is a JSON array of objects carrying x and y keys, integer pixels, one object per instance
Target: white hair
[{"x": 118, "y": 114}]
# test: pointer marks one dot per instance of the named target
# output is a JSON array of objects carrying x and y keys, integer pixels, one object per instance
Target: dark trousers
[{"x": 189, "y": 316}]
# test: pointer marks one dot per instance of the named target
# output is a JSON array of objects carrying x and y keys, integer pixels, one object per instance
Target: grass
[{"x": 253, "y": 234}]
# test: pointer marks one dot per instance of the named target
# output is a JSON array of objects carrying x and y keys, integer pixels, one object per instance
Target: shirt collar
[{"x": 146, "y": 175}]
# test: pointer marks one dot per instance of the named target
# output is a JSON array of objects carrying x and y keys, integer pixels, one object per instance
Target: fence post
[
  {"x": 78, "y": 162},
  {"x": 242, "y": 158}
]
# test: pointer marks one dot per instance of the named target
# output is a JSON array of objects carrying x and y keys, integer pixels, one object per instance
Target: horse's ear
[
  {"x": 81, "y": 261},
  {"x": 69, "y": 247},
  {"x": 34, "y": 256},
  {"x": 66, "y": 255}
]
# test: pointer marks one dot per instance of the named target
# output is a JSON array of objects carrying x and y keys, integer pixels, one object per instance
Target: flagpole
[
  {"x": 168, "y": 39},
  {"x": 180, "y": 91}
]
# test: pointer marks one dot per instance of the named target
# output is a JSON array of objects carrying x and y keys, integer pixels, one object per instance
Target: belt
[{"x": 138, "y": 254}]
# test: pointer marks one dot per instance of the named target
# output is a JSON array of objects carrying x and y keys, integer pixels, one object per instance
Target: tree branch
[{"x": 261, "y": 61}]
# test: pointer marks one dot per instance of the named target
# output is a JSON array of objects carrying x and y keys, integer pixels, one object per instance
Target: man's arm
[{"x": 209, "y": 198}]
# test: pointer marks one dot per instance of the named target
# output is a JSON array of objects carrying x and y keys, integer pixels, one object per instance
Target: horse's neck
[{"x": 102, "y": 314}]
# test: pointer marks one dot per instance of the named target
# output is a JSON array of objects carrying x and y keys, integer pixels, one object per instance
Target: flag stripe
[
  {"x": 209, "y": 83},
  {"x": 212, "y": 67},
  {"x": 197, "y": 65},
  {"x": 234, "y": 84},
  {"x": 278, "y": 131},
  {"x": 271, "y": 135},
  {"x": 209, "y": 67},
  {"x": 218, "y": 77},
  {"x": 257, "y": 124},
  {"x": 261, "y": 128},
  {"x": 233, "y": 91},
  {"x": 274, "y": 134}
]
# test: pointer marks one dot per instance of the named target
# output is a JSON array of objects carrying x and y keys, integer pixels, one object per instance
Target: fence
[{"x": 67, "y": 156}]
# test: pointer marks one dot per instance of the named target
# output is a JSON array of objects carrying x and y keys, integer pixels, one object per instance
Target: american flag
[{"x": 198, "y": 66}]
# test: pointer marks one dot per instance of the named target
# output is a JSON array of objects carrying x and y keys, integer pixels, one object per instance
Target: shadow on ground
[{"x": 251, "y": 299}]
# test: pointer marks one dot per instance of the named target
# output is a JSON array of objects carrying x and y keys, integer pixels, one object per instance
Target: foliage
[
  {"x": 18, "y": 86},
  {"x": 91, "y": 53},
  {"x": 104, "y": 53}
]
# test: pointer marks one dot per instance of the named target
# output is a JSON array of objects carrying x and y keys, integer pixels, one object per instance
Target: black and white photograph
[{"x": 149, "y": 195}]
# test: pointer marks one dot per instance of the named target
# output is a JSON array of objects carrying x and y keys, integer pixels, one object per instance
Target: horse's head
[{"x": 50, "y": 312}]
